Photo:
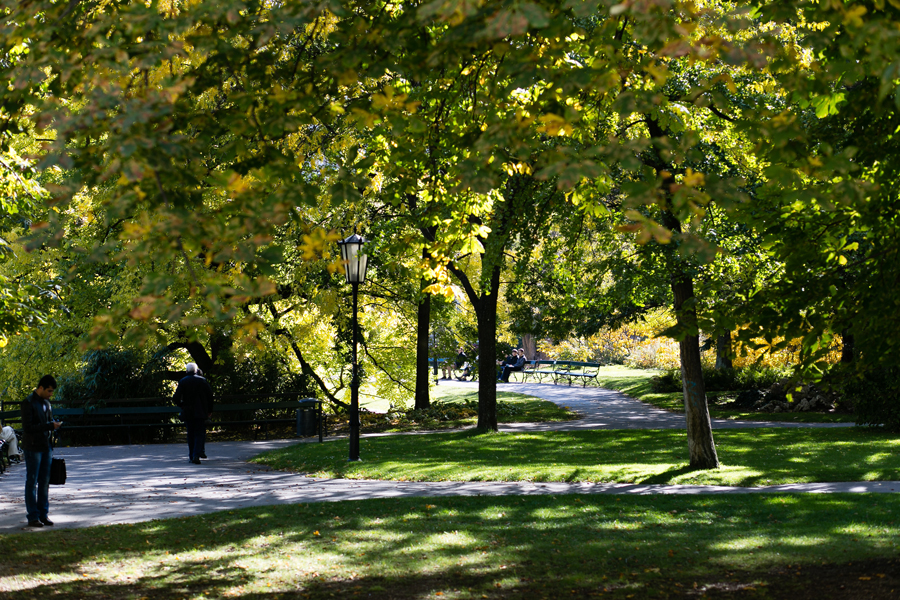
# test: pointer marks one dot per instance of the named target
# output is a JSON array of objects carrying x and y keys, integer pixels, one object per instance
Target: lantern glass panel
[{"x": 355, "y": 261}]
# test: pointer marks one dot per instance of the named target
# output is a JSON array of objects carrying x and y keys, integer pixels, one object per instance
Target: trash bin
[{"x": 307, "y": 422}]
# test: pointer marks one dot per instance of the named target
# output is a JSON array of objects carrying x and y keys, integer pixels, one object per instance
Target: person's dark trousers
[
  {"x": 196, "y": 431},
  {"x": 37, "y": 484},
  {"x": 202, "y": 453},
  {"x": 506, "y": 371}
]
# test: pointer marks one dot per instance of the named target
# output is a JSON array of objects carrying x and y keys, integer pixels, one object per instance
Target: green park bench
[
  {"x": 561, "y": 370},
  {"x": 571, "y": 370},
  {"x": 538, "y": 369}
]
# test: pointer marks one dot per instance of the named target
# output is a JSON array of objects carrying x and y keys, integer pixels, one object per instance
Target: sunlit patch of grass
[
  {"x": 749, "y": 457},
  {"x": 512, "y": 407}
]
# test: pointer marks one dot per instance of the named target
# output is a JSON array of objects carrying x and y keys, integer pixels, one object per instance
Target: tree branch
[{"x": 383, "y": 370}]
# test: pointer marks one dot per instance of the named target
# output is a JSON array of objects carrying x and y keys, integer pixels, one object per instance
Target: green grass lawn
[
  {"x": 581, "y": 546},
  {"x": 636, "y": 383},
  {"x": 749, "y": 457},
  {"x": 512, "y": 407},
  {"x": 523, "y": 408}
]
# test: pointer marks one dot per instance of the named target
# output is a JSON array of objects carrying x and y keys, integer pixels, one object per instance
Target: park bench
[
  {"x": 308, "y": 415},
  {"x": 538, "y": 369},
  {"x": 560, "y": 370},
  {"x": 571, "y": 370}
]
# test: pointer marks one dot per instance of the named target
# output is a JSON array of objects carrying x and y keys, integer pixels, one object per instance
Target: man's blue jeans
[{"x": 37, "y": 484}]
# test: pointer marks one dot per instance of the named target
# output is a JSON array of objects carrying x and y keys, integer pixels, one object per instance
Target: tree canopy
[{"x": 180, "y": 168}]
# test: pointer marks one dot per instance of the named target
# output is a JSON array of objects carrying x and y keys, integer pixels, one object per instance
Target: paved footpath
[{"x": 130, "y": 484}]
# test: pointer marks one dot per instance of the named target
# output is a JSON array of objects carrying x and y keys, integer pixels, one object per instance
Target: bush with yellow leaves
[{"x": 642, "y": 345}]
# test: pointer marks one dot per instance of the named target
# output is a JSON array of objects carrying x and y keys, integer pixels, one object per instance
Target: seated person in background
[
  {"x": 509, "y": 360},
  {"x": 9, "y": 436},
  {"x": 462, "y": 361},
  {"x": 446, "y": 368},
  {"x": 519, "y": 366}
]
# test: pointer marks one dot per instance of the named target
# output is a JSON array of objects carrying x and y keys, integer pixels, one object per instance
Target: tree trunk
[
  {"x": 516, "y": 195},
  {"x": 487, "y": 360},
  {"x": 199, "y": 356},
  {"x": 530, "y": 345},
  {"x": 723, "y": 352},
  {"x": 485, "y": 307},
  {"x": 701, "y": 447},
  {"x": 424, "y": 327}
]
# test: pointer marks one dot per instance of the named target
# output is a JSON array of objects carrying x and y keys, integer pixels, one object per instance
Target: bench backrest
[{"x": 575, "y": 364}]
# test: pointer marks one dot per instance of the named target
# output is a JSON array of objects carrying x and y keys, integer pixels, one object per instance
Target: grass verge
[
  {"x": 636, "y": 383},
  {"x": 581, "y": 546},
  {"x": 749, "y": 457},
  {"x": 522, "y": 408},
  {"x": 454, "y": 407}
]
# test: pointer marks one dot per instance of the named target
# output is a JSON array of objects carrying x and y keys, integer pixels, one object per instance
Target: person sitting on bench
[
  {"x": 510, "y": 360},
  {"x": 8, "y": 435},
  {"x": 519, "y": 366}
]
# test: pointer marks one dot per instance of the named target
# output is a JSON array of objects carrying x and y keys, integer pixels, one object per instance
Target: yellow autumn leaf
[
  {"x": 854, "y": 15},
  {"x": 133, "y": 230},
  {"x": 366, "y": 118},
  {"x": 693, "y": 179},
  {"x": 555, "y": 125}
]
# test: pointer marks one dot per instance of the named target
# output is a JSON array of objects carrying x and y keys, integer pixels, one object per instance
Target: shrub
[
  {"x": 111, "y": 374},
  {"x": 875, "y": 396},
  {"x": 723, "y": 380},
  {"x": 438, "y": 412},
  {"x": 757, "y": 378},
  {"x": 667, "y": 381}
]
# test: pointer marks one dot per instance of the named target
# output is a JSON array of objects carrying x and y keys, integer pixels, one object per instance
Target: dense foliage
[{"x": 179, "y": 172}]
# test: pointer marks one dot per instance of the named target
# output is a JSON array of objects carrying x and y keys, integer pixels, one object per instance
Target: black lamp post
[{"x": 355, "y": 262}]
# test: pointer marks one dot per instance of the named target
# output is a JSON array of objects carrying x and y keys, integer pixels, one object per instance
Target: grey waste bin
[{"x": 307, "y": 422}]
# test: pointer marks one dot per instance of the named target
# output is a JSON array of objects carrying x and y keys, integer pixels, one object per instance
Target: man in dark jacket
[
  {"x": 510, "y": 360},
  {"x": 195, "y": 398},
  {"x": 37, "y": 425}
]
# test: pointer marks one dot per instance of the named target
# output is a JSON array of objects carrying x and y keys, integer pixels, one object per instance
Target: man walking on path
[
  {"x": 37, "y": 424},
  {"x": 195, "y": 398}
]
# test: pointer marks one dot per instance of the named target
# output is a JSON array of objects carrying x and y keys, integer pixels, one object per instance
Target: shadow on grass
[
  {"x": 413, "y": 548},
  {"x": 669, "y": 476}
]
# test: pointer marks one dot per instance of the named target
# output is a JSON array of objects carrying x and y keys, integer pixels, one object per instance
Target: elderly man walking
[{"x": 195, "y": 398}]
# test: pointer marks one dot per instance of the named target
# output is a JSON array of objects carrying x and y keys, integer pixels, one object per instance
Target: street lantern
[{"x": 355, "y": 263}]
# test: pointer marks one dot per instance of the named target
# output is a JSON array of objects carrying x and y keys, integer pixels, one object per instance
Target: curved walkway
[
  {"x": 130, "y": 484},
  {"x": 609, "y": 409}
]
